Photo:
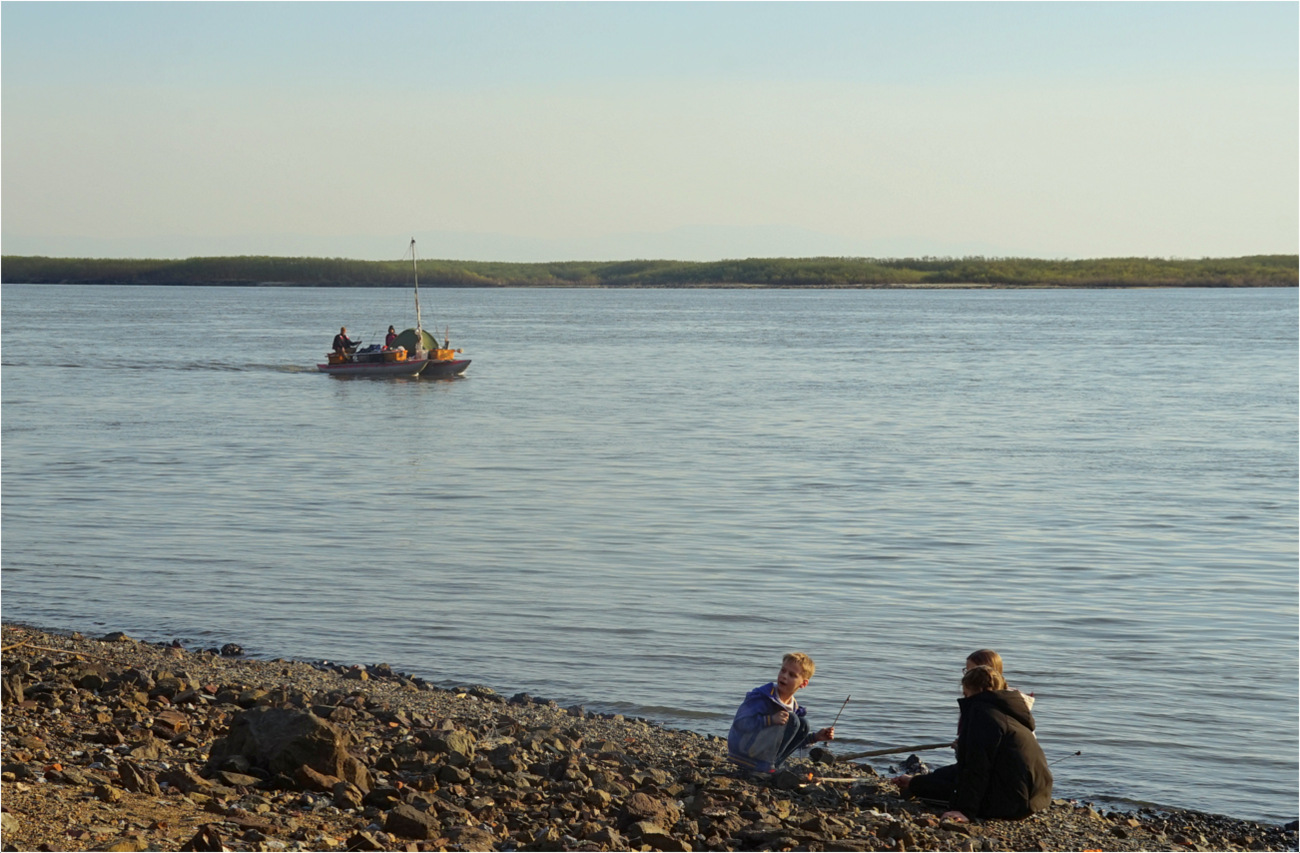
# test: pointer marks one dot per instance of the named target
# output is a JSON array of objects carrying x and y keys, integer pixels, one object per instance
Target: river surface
[{"x": 638, "y": 500}]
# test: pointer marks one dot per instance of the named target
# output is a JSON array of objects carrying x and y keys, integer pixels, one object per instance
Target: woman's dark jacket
[{"x": 1001, "y": 770}]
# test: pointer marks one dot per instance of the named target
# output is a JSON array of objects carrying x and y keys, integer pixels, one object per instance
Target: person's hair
[
  {"x": 985, "y": 657},
  {"x": 801, "y": 660},
  {"x": 983, "y": 678}
]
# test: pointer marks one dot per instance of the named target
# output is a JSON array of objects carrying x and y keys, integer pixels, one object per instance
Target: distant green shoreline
[{"x": 810, "y": 273}]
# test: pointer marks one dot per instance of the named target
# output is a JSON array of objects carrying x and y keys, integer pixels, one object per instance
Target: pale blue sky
[{"x": 555, "y": 131}]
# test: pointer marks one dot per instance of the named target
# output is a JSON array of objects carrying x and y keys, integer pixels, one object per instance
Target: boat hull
[
  {"x": 396, "y": 368},
  {"x": 444, "y": 369}
]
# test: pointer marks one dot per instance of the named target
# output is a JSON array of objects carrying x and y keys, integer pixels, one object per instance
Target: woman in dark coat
[{"x": 1001, "y": 771}]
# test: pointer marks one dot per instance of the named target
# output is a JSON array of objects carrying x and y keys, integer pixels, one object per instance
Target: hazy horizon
[{"x": 541, "y": 132}]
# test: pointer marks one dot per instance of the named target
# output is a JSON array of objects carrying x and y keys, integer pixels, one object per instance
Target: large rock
[
  {"x": 410, "y": 822},
  {"x": 280, "y": 740},
  {"x": 642, "y": 807}
]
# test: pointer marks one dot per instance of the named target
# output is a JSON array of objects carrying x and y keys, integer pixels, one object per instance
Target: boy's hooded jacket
[
  {"x": 755, "y": 738},
  {"x": 1001, "y": 769}
]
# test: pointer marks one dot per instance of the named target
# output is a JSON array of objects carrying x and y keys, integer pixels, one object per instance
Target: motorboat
[
  {"x": 372, "y": 361},
  {"x": 415, "y": 352}
]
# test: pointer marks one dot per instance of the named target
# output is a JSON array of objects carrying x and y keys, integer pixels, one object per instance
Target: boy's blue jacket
[{"x": 755, "y": 738}]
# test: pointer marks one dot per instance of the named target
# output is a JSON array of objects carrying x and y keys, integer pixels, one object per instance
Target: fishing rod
[
  {"x": 842, "y": 707},
  {"x": 894, "y": 750}
]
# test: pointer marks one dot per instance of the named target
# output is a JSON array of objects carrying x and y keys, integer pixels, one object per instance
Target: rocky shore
[{"x": 114, "y": 744}]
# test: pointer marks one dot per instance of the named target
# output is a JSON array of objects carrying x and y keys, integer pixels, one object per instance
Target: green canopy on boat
[{"x": 406, "y": 338}]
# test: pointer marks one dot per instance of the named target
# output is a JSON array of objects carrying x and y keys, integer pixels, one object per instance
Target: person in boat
[
  {"x": 391, "y": 338},
  {"x": 342, "y": 343},
  {"x": 1001, "y": 771},
  {"x": 770, "y": 725}
]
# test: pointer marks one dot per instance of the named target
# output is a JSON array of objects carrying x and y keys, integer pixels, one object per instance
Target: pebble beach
[{"x": 111, "y": 743}]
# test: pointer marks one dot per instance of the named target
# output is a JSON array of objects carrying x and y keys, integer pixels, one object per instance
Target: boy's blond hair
[{"x": 801, "y": 660}]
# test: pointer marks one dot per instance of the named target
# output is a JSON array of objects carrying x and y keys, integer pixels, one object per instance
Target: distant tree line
[{"x": 1251, "y": 271}]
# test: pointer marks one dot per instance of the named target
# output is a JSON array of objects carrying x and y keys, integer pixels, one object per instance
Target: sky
[{"x": 537, "y": 131}]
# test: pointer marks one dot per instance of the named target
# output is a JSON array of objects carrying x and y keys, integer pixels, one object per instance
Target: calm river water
[{"x": 638, "y": 500}]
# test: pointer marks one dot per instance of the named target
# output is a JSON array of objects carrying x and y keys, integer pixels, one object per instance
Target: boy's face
[{"x": 790, "y": 679}]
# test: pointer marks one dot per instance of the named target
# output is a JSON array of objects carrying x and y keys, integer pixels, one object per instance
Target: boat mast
[{"x": 419, "y": 327}]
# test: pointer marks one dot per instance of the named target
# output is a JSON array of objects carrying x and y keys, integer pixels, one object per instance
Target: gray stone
[{"x": 410, "y": 822}]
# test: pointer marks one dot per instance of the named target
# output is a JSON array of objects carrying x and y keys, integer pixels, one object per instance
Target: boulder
[
  {"x": 642, "y": 808},
  {"x": 409, "y": 822},
  {"x": 280, "y": 740}
]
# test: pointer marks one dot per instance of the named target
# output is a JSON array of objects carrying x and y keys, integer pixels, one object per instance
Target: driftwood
[
  {"x": 59, "y": 651},
  {"x": 893, "y": 750}
]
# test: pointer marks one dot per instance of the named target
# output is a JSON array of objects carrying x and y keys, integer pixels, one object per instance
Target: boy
[{"x": 769, "y": 725}]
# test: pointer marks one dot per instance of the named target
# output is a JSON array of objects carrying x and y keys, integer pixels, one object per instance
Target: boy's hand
[
  {"x": 780, "y": 718},
  {"x": 827, "y": 733}
]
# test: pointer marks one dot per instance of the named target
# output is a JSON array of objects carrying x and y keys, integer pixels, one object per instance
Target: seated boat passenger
[{"x": 342, "y": 343}]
